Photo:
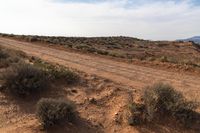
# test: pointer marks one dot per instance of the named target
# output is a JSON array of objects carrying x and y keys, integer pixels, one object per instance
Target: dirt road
[{"x": 132, "y": 75}]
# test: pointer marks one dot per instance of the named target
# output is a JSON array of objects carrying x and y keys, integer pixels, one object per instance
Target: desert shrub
[
  {"x": 162, "y": 44},
  {"x": 86, "y": 48},
  {"x": 173, "y": 60},
  {"x": 31, "y": 39},
  {"x": 91, "y": 50},
  {"x": 24, "y": 79},
  {"x": 160, "y": 98},
  {"x": 113, "y": 46},
  {"x": 58, "y": 72},
  {"x": 4, "y": 63},
  {"x": 102, "y": 52},
  {"x": 163, "y": 100},
  {"x": 184, "y": 114},
  {"x": 8, "y": 57},
  {"x": 55, "y": 41},
  {"x": 3, "y": 35},
  {"x": 163, "y": 59},
  {"x": 14, "y": 60},
  {"x": 3, "y": 58},
  {"x": 190, "y": 62},
  {"x": 46, "y": 40},
  {"x": 64, "y": 74},
  {"x": 113, "y": 54},
  {"x": 82, "y": 46},
  {"x": 11, "y": 35},
  {"x": 27, "y": 38},
  {"x": 3, "y": 54},
  {"x": 51, "y": 111},
  {"x": 137, "y": 114}
]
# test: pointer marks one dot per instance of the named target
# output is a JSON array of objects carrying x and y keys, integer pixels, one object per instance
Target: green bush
[
  {"x": 51, "y": 111},
  {"x": 3, "y": 54},
  {"x": 31, "y": 39},
  {"x": 4, "y": 63},
  {"x": 24, "y": 79},
  {"x": 64, "y": 74},
  {"x": 160, "y": 101},
  {"x": 163, "y": 59},
  {"x": 58, "y": 72},
  {"x": 163, "y": 100},
  {"x": 102, "y": 52},
  {"x": 137, "y": 112},
  {"x": 3, "y": 58},
  {"x": 9, "y": 57}
]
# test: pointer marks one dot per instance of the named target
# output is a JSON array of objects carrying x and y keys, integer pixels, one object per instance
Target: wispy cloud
[{"x": 152, "y": 19}]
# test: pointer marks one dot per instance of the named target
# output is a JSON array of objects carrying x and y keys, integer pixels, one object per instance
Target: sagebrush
[
  {"x": 9, "y": 57},
  {"x": 52, "y": 111},
  {"x": 58, "y": 72},
  {"x": 137, "y": 114},
  {"x": 162, "y": 100},
  {"x": 3, "y": 54},
  {"x": 24, "y": 79}
]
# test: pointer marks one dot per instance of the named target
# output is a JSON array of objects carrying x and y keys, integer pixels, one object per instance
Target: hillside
[
  {"x": 165, "y": 54},
  {"x": 108, "y": 96},
  {"x": 195, "y": 39}
]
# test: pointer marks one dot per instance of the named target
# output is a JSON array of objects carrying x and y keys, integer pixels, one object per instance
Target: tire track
[
  {"x": 144, "y": 70},
  {"x": 122, "y": 70},
  {"x": 132, "y": 75}
]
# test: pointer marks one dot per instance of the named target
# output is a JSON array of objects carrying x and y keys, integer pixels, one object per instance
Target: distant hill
[{"x": 195, "y": 39}]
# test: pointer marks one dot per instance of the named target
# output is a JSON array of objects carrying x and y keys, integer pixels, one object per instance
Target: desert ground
[{"x": 111, "y": 82}]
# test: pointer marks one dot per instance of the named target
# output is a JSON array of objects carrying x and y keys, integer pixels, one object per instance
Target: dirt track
[{"x": 132, "y": 75}]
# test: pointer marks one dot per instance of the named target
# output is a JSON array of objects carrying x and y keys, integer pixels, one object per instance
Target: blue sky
[{"x": 147, "y": 19}]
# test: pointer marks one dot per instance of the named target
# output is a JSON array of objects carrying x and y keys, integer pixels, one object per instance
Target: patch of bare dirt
[
  {"x": 101, "y": 97},
  {"x": 101, "y": 105},
  {"x": 136, "y": 76},
  {"x": 177, "y": 55}
]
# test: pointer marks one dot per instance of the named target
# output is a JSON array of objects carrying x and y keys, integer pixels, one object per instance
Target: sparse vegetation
[
  {"x": 51, "y": 111},
  {"x": 137, "y": 114},
  {"x": 125, "y": 48},
  {"x": 3, "y": 54},
  {"x": 28, "y": 79},
  {"x": 58, "y": 72},
  {"x": 3, "y": 58},
  {"x": 8, "y": 58},
  {"x": 158, "y": 101},
  {"x": 162, "y": 100},
  {"x": 25, "y": 80}
]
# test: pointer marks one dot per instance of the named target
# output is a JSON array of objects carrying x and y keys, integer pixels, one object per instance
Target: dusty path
[{"x": 132, "y": 75}]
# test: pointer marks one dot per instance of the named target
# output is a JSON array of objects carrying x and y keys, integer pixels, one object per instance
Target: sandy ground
[
  {"x": 112, "y": 84},
  {"x": 108, "y": 114},
  {"x": 128, "y": 74}
]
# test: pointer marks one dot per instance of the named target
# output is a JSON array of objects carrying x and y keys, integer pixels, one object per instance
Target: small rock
[
  {"x": 107, "y": 80},
  {"x": 114, "y": 131},
  {"x": 1, "y": 86},
  {"x": 117, "y": 118},
  {"x": 74, "y": 91},
  {"x": 92, "y": 100}
]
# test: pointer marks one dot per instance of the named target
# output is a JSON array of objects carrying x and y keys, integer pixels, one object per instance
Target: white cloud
[{"x": 156, "y": 20}]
